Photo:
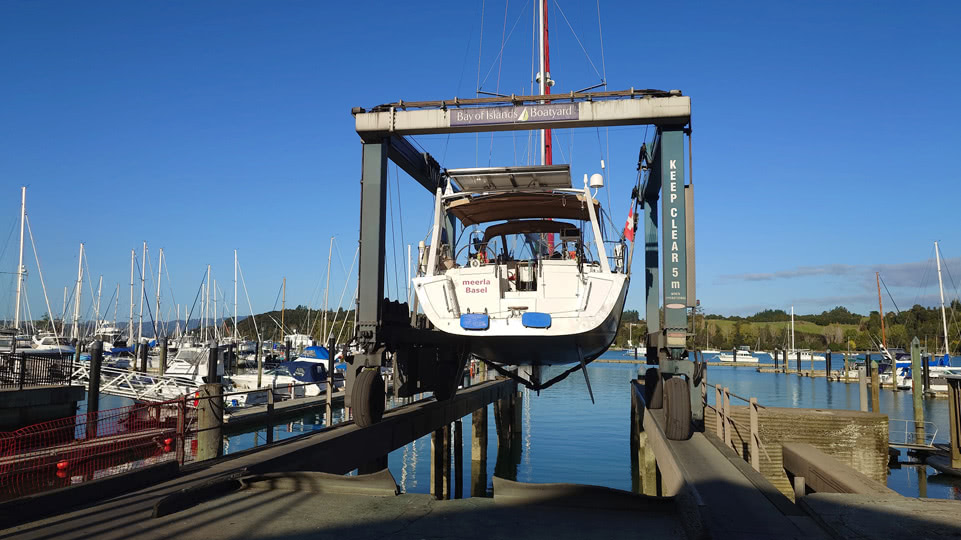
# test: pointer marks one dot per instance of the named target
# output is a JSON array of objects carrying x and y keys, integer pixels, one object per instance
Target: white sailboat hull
[{"x": 584, "y": 319}]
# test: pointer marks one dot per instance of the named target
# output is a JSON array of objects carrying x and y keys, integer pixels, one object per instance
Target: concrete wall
[
  {"x": 21, "y": 408},
  {"x": 857, "y": 439}
]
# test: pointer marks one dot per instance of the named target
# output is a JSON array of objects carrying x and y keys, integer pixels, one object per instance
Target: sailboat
[
  {"x": 901, "y": 373},
  {"x": 521, "y": 297},
  {"x": 806, "y": 355}
]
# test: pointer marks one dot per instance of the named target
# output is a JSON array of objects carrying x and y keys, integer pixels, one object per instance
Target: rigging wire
[
  {"x": 889, "y": 294},
  {"x": 500, "y": 65},
  {"x": 480, "y": 50},
  {"x": 503, "y": 44},
  {"x": 579, "y": 42},
  {"x": 46, "y": 299},
  {"x": 400, "y": 218},
  {"x": 249, "y": 306}
]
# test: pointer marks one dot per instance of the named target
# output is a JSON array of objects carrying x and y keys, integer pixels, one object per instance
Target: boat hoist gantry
[{"x": 428, "y": 360}]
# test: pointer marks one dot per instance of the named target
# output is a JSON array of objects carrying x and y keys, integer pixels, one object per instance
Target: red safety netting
[{"x": 89, "y": 446}]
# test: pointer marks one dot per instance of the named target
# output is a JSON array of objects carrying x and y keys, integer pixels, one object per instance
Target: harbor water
[{"x": 566, "y": 438}]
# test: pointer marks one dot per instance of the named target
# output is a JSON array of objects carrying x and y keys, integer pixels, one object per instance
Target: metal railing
[
  {"x": 726, "y": 425},
  {"x": 911, "y": 432},
  {"x": 19, "y": 370}
]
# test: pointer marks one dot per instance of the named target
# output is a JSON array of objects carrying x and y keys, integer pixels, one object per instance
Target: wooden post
[
  {"x": 181, "y": 429},
  {"x": 270, "y": 415},
  {"x": 917, "y": 390},
  {"x": 863, "y": 388},
  {"x": 212, "y": 357},
  {"x": 260, "y": 364},
  {"x": 329, "y": 400},
  {"x": 954, "y": 418},
  {"x": 93, "y": 388},
  {"x": 774, "y": 357},
  {"x": 210, "y": 422},
  {"x": 163, "y": 355},
  {"x": 478, "y": 453},
  {"x": 827, "y": 364},
  {"x": 876, "y": 387},
  {"x": 755, "y": 436},
  {"x": 719, "y": 407},
  {"x": 798, "y": 353},
  {"x": 927, "y": 373},
  {"x": 458, "y": 459},
  {"x": 727, "y": 420},
  {"x": 440, "y": 463},
  {"x": 142, "y": 354}
]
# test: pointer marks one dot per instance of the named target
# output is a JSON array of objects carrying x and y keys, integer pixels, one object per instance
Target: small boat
[
  {"x": 50, "y": 343},
  {"x": 741, "y": 355}
]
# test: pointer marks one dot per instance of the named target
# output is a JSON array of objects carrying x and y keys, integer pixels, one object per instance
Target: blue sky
[{"x": 824, "y": 135}]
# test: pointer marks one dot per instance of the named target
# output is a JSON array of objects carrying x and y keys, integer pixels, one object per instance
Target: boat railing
[{"x": 906, "y": 432}]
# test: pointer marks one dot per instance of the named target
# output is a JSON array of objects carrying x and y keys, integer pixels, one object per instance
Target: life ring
[{"x": 474, "y": 263}]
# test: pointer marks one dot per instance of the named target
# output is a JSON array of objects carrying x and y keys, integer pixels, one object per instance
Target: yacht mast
[
  {"x": 944, "y": 317},
  {"x": 20, "y": 269},
  {"x": 116, "y": 305},
  {"x": 214, "y": 324},
  {"x": 143, "y": 292},
  {"x": 75, "y": 331},
  {"x": 323, "y": 334},
  {"x": 133, "y": 255},
  {"x": 236, "y": 334},
  {"x": 99, "y": 297},
  {"x": 160, "y": 265},
  {"x": 884, "y": 340},
  {"x": 283, "y": 310},
  {"x": 543, "y": 78},
  {"x": 207, "y": 303},
  {"x": 792, "y": 327}
]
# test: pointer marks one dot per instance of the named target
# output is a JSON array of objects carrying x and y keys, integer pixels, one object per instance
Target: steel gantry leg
[{"x": 666, "y": 182}]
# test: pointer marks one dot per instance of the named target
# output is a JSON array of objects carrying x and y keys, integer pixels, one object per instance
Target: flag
[{"x": 629, "y": 226}]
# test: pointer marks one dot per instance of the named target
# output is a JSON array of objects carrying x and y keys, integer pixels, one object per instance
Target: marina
[{"x": 359, "y": 295}]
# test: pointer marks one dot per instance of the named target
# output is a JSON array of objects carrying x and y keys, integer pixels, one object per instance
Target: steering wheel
[{"x": 488, "y": 250}]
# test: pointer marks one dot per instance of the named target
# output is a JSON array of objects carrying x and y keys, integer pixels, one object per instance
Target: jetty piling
[
  {"x": 93, "y": 388},
  {"x": 163, "y": 355},
  {"x": 212, "y": 361},
  {"x": 876, "y": 387},
  {"x": 863, "y": 388},
  {"x": 210, "y": 421},
  {"x": 478, "y": 453},
  {"x": 916, "y": 392},
  {"x": 827, "y": 363}
]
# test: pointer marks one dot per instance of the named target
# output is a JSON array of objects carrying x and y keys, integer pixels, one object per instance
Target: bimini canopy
[
  {"x": 506, "y": 206},
  {"x": 531, "y": 178},
  {"x": 524, "y": 227}
]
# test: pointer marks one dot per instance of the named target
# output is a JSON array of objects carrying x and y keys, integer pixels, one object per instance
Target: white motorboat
[
  {"x": 739, "y": 356},
  {"x": 520, "y": 299},
  {"x": 47, "y": 343}
]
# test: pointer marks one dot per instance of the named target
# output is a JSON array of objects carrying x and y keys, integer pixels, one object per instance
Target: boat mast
[
  {"x": 160, "y": 265},
  {"x": 944, "y": 317},
  {"x": 133, "y": 255},
  {"x": 283, "y": 310},
  {"x": 116, "y": 305},
  {"x": 20, "y": 269},
  {"x": 236, "y": 334},
  {"x": 75, "y": 331},
  {"x": 143, "y": 292},
  {"x": 323, "y": 333},
  {"x": 207, "y": 303},
  {"x": 213, "y": 324},
  {"x": 884, "y": 340},
  {"x": 99, "y": 297},
  {"x": 792, "y": 327},
  {"x": 545, "y": 83}
]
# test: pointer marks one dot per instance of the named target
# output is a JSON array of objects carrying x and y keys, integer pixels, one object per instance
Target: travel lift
[{"x": 426, "y": 360}]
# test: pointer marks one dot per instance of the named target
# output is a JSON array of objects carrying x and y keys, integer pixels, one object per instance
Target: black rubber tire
[
  {"x": 368, "y": 397},
  {"x": 677, "y": 401},
  {"x": 653, "y": 389}
]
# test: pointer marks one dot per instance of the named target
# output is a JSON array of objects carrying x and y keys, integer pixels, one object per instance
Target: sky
[{"x": 825, "y": 136}]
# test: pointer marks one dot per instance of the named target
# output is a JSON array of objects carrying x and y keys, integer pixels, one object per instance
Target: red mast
[{"x": 548, "y": 157}]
